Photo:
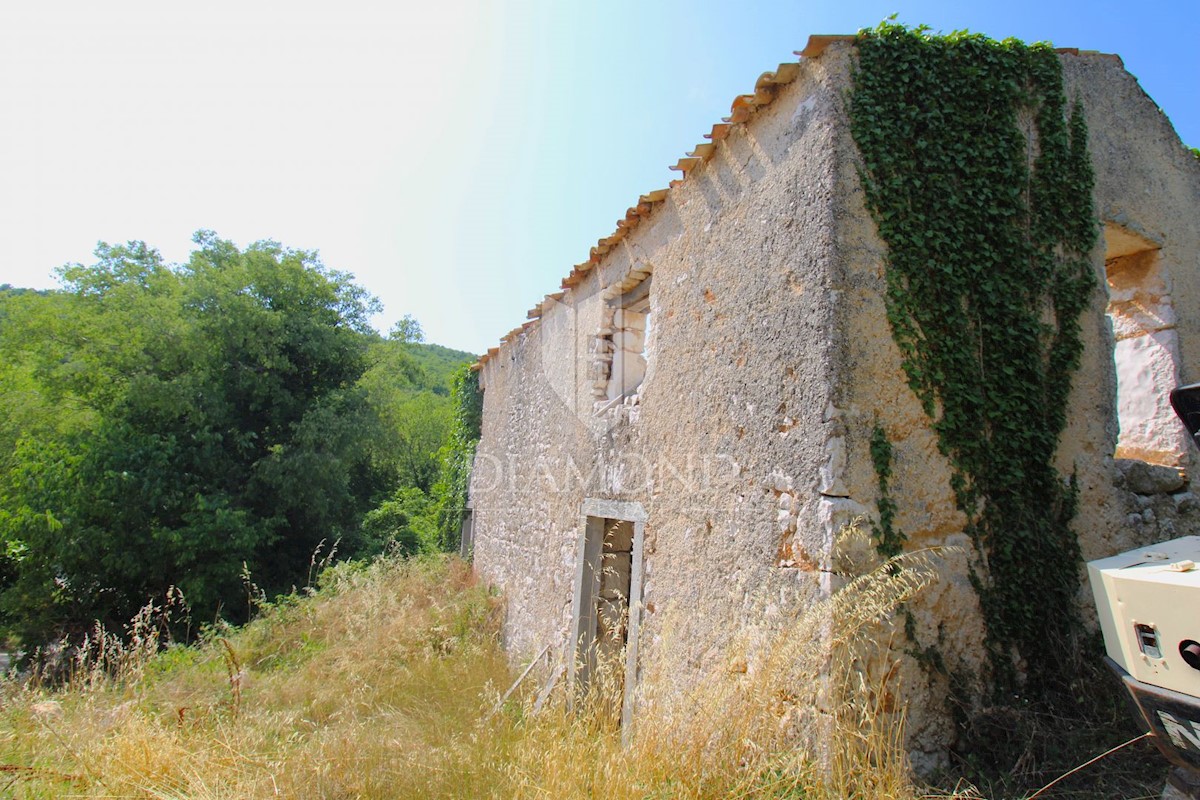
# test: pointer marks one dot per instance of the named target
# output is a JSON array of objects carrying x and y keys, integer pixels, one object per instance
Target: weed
[{"x": 381, "y": 683}]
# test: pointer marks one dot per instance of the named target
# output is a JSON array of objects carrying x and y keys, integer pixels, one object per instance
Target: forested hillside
[{"x": 204, "y": 428}]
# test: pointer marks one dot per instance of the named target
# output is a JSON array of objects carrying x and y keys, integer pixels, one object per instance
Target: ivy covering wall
[
  {"x": 457, "y": 456},
  {"x": 977, "y": 175}
]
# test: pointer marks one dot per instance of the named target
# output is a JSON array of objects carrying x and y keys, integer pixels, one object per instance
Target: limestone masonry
[{"x": 672, "y": 442}]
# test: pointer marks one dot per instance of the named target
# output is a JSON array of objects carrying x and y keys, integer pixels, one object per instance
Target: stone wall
[
  {"x": 1146, "y": 182},
  {"x": 768, "y": 363},
  {"x": 732, "y": 437}
]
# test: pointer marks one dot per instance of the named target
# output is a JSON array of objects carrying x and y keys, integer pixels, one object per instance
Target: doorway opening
[{"x": 606, "y": 610}]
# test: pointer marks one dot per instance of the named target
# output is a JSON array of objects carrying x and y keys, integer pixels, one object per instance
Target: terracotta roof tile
[
  {"x": 818, "y": 42},
  {"x": 719, "y": 131},
  {"x": 686, "y": 164},
  {"x": 741, "y": 110}
]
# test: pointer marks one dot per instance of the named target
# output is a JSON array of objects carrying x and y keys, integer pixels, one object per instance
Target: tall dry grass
[
  {"x": 805, "y": 718},
  {"x": 385, "y": 684},
  {"x": 367, "y": 689}
]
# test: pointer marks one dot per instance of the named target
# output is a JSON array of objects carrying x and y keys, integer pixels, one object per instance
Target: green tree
[
  {"x": 403, "y": 522},
  {"x": 413, "y": 422},
  {"x": 407, "y": 330},
  {"x": 211, "y": 419},
  {"x": 408, "y": 385}
]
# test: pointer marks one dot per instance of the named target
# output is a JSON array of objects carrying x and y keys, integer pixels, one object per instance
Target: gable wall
[{"x": 725, "y": 449}]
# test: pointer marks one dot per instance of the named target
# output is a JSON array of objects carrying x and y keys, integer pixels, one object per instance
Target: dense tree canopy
[{"x": 180, "y": 426}]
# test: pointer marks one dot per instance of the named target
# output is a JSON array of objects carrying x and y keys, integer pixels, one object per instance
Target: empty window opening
[
  {"x": 606, "y": 613},
  {"x": 622, "y": 345},
  {"x": 1146, "y": 353}
]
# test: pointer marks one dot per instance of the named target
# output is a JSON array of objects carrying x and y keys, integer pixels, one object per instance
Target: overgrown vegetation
[
  {"x": 187, "y": 428},
  {"x": 977, "y": 176},
  {"x": 888, "y": 540},
  {"x": 457, "y": 455},
  {"x": 408, "y": 384},
  {"x": 360, "y": 691},
  {"x": 387, "y": 683},
  {"x": 1012, "y": 752}
]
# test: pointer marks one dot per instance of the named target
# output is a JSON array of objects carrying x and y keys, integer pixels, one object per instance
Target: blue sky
[{"x": 458, "y": 158}]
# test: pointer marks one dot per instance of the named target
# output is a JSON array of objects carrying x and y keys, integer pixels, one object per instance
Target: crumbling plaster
[
  {"x": 731, "y": 415},
  {"x": 1144, "y": 181},
  {"x": 771, "y": 363}
]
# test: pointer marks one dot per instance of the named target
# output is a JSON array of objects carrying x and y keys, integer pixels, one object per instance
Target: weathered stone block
[{"x": 1145, "y": 479}]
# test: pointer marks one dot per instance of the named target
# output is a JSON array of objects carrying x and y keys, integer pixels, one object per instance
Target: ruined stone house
[{"x": 681, "y": 431}]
